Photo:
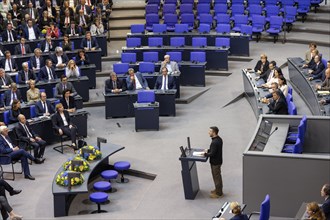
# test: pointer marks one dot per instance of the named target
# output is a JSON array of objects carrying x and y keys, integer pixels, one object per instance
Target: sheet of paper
[{"x": 198, "y": 153}]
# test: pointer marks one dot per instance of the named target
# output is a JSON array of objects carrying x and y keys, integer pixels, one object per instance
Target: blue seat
[
  {"x": 219, "y": 9},
  {"x": 238, "y": 21},
  {"x": 271, "y": 10},
  {"x": 223, "y": 28},
  {"x": 181, "y": 28},
  {"x": 169, "y": 9},
  {"x": 303, "y": 8},
  {"x": 177, "y": 41},
  {"x": 290, "y": 16},
  {"x": 187, "y": 1},
  {"x": 237, "y": 2},
  {"x": 264, "y": 213},
  {"x": 237, "y": 10},
  {"x": 290, "y": 90},
  {"x": 289, "y": 98},
  {"x": 16, "y": 78},
  {"x": 188, "y": 19},
  {"x": 33, "y": 111},
  {"x": 155, "y": 41},
  {"x": 102, "y": 186},
  {"x": 151, "y": 9},
  {"x": 292, "y": 136},
  {"x": 175, "y": 2},
  {"x": 246, "y": 29},
  {"x": 199, "y": 41},
  {"x": 159, "y": 28},
  {"x": 220, "y": 1},
  {"x": 110, "y": 175},
  {"x": 133, "y": 42},
  {"x": 292, "y": 110},
  {"x": 144, "y": 96},
  {"x": 146, "y": 67},
  {"x": 252, "y": 2},
  {"x": 120, "y": 68},
  {"x": 222, "y": 19},
  {"x": 150, "y": 20},
  {"x": 170, "y": 20},
  {"x": 222, "y": 42},
  {"x": 157, "y": 2},
  {"x": 128, "y": 57},
  {"x": 150, "y": 57},
  {"x": 137, "y": 28},
  {"x": 175, "y": 56},
  {"x": 186, "y": 9},
  {"x": 295, "y": 148},
  {"x": 258, "y": 25},
  {"x": 98, "y": 198},
  {"x": 275, "y": 26},
  {"x": 270, "y": 2},
  {"x": 204, "y": 28},
  {"x": 206, "y": 19},
  {"x": 285, "y": 3},
  {"x": 316, "y": 4},
  {"x": 196, "y": 57},
  {"x": 254, "y": 10},
  {"x": 204, "y": 1},
  {"x": 6, "y": 115},
  {"x": 42, "y": 90},
  {"x": 202, "y": 8}
]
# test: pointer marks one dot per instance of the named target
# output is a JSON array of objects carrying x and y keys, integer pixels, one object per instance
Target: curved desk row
[{"x": 63, "y": 196}]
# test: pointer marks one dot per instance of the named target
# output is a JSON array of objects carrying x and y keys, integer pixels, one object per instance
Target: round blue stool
[
  {"x": 98, "y": 198},
  {"x": 102, "y": 186},
  {"x": 109, "y": 175},
  {"x": 121, "y": 166}
]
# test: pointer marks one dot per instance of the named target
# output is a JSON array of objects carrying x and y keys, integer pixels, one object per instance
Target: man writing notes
[{"x": 165, "y": 81}]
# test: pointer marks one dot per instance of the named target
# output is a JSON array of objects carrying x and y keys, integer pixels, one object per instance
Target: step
[
  {"x": 124, "y": 24},
  {"x": 127, "y": 14},
  {"x": 131, "y": 5},
  {"x": 119, "y": 34}
]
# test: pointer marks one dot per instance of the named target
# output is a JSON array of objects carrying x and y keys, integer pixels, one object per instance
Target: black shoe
[
  {"x": 39, "y": 161},
  {"x": 74, "y": 146},
  {"x": 15, "y": 192},
  {"x": 29, "y": 177}
]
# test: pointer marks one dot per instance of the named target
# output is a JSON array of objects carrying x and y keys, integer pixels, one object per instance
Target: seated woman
[
  {"x": 66, "y": 43},
  {"x": 262, "y": 65},
  {"x": 97, "y": 28},
  {"x": 314, "y": 211},
  {"x": 277, "y": 73},
  {"x": 33, "y": 94},
  {"x": 82, "y": 58},
  {"x": 53, "y": 31},
  {"x": 237, "y": 211},
  {"x": 62, "y": 124},
  {"x": 68, "y": 101},
  {"x": 72, "y": 70},
  {"x": 15, "y": 111},
  {"x": 283, "y": 86}
]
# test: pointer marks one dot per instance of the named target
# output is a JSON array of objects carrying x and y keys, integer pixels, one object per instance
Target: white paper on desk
[{"x": 198, "y": 153}]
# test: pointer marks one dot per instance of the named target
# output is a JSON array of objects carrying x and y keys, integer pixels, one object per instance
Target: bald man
[{"x": 171, "y": 66}]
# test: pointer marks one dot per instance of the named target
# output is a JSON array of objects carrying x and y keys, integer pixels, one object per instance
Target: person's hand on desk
[
  {"x": 317, "y": 87},
  {"x": 117, "y": 90},
  {"x": 310, "y": 71},
  {"x": 264, "y": 100},
  {"x": 310, "y": 78},
  {"x": 71, "y": 110},
  {"x": 147, "y": 88},
  {"x": 70, "y": 126},
  {"x": 38, "y": 138},
  {"x": 46, "y": 114}
]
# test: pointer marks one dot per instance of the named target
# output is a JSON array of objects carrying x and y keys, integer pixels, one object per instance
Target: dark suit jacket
[
  {"x": 109, "y": 85},
  {"x": 59, "y": 89},
  {"x": 87, "y": 8},
  {"x": 18, "y": 49},
  {"x": 7, "y": 79},
  {"x": 42, "y": 2},
  {"x": 18, "y": 14},
  {"x": 40, "y": 109},
  {"x": 5, "y": 35},
  {"x": 79, "y": 61},
  {"x": 62, "y": 20},
  {"x": 240, "y": 217},
  {"x": 43, "y": 46},
  {"x": 258, "y": 67},
  {"x": 22, "y": 79},
  {"x": 33, "y": 62},
  {"x": 87, "y": 20},
  {"x": 318, "y": 68},
  {"x": 93, "y": 40},
  {"x": 65, "y": 59},
  {"x": 280, "y": 107},
  {"x": 57, "y": 120},
  {"x": 142, "y": 80},
  {"x": 8, "y": 94},
  {"x": 13, "y": 63},
  {"x": 62, "y": 13},
  {"x": 326, "y": 208},
  {"x": 43, "y": 74},
  {"x": 36, "y": 32},
  {"x": 72, "y": 103},
  {"x": 170, "y": 83},
  {"x": 4, "y": 147},
  {"x": 23, "y": 136},
  {"x": 53, "y": 10},
  {"x": 78, "y": 30}
]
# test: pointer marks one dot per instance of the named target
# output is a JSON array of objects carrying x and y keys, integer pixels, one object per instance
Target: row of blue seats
[
  {"x": 231, "y": 2},
  {"x": 295, "y": 138}
]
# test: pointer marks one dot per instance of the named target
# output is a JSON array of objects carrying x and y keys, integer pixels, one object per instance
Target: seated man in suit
[
  {"x": 278, "y": 105},
  {"x": 48, "y": 71},
  {"x": 32, "y": 11},
  {"x": 325, "y": 192},
  {"x": 9, "y": 63},
  {"x": 15, "y": 153},
  {"x": 62, "y": 124},
  {"x": 59, "y": 59},
  {"x": 114, "y": 85},
  {"x": 89, "y": 42},
  {"x": 11, "y": 95},
  {"x": 44, "y": 107},
  {"x": 68, "y": 101},
  {"x": 47, "y": 44},
  {"x": 65, "y": 20},
  {"x": 26, "y": 74},
  {"x": 320, "y": 75},
  {"x": 5, "y": 79},
  {"x": 9, "y": 35},
  {"x": 136, "y": 81},
  {"x": 74, "y": 30},
  {"x": 31, "y": 31},
  {"x": 308, "y": 55},
  {"x": 37, "y": 61},
  {"x": 165, "y": 81},
  {"x": 311, "y": 63},
  {"x": 171, "y": 66},
  {"x": 325, "y": 86},
  {"x": 64, "y": 85},
  {"x": 28, "y": 137},
  {"x": 267, "y": 75},
  {"x": 318, "y": 67},
  {"x": 22, "y": 48}
]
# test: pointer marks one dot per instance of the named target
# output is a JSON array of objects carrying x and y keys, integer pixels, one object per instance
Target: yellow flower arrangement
[
  {"x": 63, "y": 179},
  {"x": 78, "y": 167},
  {"x": 90, "y": 153}
]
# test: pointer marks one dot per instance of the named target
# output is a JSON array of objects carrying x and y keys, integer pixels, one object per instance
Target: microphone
[{"x": 272, "y": 132}]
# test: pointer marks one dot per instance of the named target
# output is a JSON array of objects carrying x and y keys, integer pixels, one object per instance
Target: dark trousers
[
  {"x": 4, "y": 207},
  {"x": 5, "y": 186},
  {"x": 70, "y": 132},
  {"x": 23, "y": 156},
  {"x": 217, "y": 178},
  {"x": 38, "y": 148}
]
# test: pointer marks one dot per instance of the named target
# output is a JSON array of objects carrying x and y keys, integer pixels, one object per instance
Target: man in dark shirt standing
[{"x": 215, "y": 154}]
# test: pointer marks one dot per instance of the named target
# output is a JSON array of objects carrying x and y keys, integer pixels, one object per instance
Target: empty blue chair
[
  {"x": 157, "y": 2},
  {"x": 175, "y": 56},
  {"x": 292, "y": 136},
  {"x": 181, "y": 28},
  {"x": 16, "y": 78},
  {"x": 258, "y": 25},
  {"x": 316, "y": 4},
  {"x": 204, "y": 1},
  {"x": 137, "y": 28},
  {"x": 203, "y": 9},
  {"x": 110, "y": 175},
  {"x": 128, "y": 57},
  {"x": 219, "y": 9},
  {"x": 177, "y": 41},
  {"x": 252, "y": 2},
  {"x": 292, "y": 110},
  {"x": 199, "y": 41},
  {"x": 206, "y": 19},
  {"x": 270, "y": 2},
  {"x": 254, "y": 10},
  {"x": 175, "y": 2},
  {"x": 237, "y": 2},
  {"x": 237, "y": 10},
  {"x": 222, "y": 19},
  {"x": 265, "y": 209},
  {"x": 220, "y": 1},
  {"x": 170, "y": 20},
  {"x": 120, "y": 68},
  {"x": 155, "y": 41},
  {"x": 238, "y": 21},
  {"x": 187, "y": 1},
  {"x": 169, "y": 9},
  {"x": 222, "y": 42},
  {"x": 159, "y": 28},
  {"x": 223, "y": 28},
  {"x": 150, "y": 20},
  {"x": 42, "y": 90},
  {"x": 272, "y": 10},
  {"x": 289, "y": 98},
  {"x": 133, "y": 42},
  {"x": 150, "y": 57},
  {"x": 33, "y": 111},
  {"x": 295, "y": 148},
  {"x": 102, "y": 186},
  {"x": 6, "y": 119},
  {"x": 285, "y": 3},
  {"x": 275, "y": 26},
  {"x": 246, "y": 29},
  {"x": 188, "y": 19},
  {"x": 290, "y": 13},
  {"x": 290, "y": 90},
  {"x": 98, "y": 198},
  {"x": 151, "y": 9},
  {"x": 303, "y": 8},
  {"x": 186, "y": 9},
  {"x": 196, "y": 57},
  {"x": 144, "y": 96},
  {"x": 204, "y": 28},
  {"x": 146, "y": 67}
]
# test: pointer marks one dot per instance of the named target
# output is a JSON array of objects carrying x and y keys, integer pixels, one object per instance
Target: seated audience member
[
  {"x": 165, "y": 81},
  {"x": 10, "y": 20},
  {"x": 114, "y": 85},
  {"x": 267, "y": 75},
  {"x": 50, "y": 8},
  {"x": 59, "y": 59},
  {"x": 82, "y": 6},
  {"x": 31, "y": 31},
  {"x": 48, "y": 71},
  {"x": 47, "y": 45},
  {"x": 82, "y": 58},
  {"x": 9, "y": 35},
  {"x": 9, "y": 63},
  {"x": 66, "y": 7},
  {"x": 74, "y": 30},
  {"x": 82, "y": 20},
  {"x": 15, "y": 13},
  {"x": 236, "y": 210},
  {"x": 326, "y": 83},
  {"x": 15, "y": 111},
  {"x": 136, "y": 81},
  {"x": 314, "y": 212},
  {"x": 68, "y": 101},
  {"x": 106, "y": 7},
  {"x": 283, "y": 86},
  {"x": 5, "y": 79},
  {"x": 33, "y": 94},
  {"x": 53, "y": 31},
  {"x": 25, "y": 75},
  {"x": 325, "y": 192},
  {"x": 276, "y": 75},
  {"x": 33, "y": 12},
  {"x": 318, "y": 66},
  {"x": 89, "y": 42},
  {"x": 262, "y": 65},
  {"x": 101, "y": 16},
  {"x": 37, "y": 61},
  {"x": 274, "y": 87},
  {"x": 45, "y": 21},
  {"x": 97, "y": 28},
  {"x": 11, "y": 95},
  {"x": 66, "y": 43},
  {"x": 4, "y": 205},
  {"x": 320, "y": 75},
  {"x": 22, "y": 48},
  {"x": 278, "y": 105},
  {"x": 62, "y": 124},
  {"x": 38, "y": 4},
  {"x": 5, "y": 7},
  {"x": 66, "y": 19},
  {"x": 72, "y": 70},
  {"x": 311, "y": 63},
  {"x": 172, "y": 66},
  {"x": 44, "y": 107},
  {"x": 64, "y": 85},
  {"x": 28, "y": 137},
  {"x": 308, "y": 54},
  {"x": 2, "y": 52},
  {"x": 8, "y": 148}
]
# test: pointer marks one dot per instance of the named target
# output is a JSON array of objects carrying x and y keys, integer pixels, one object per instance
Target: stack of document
[{"x": 198, "y": 153}]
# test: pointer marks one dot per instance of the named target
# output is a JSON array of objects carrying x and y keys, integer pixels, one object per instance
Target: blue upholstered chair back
[
  {"x": 265, "y": 209},
  {"x": 32, "y": 111},
  {"x": 145, "y": 96}
]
